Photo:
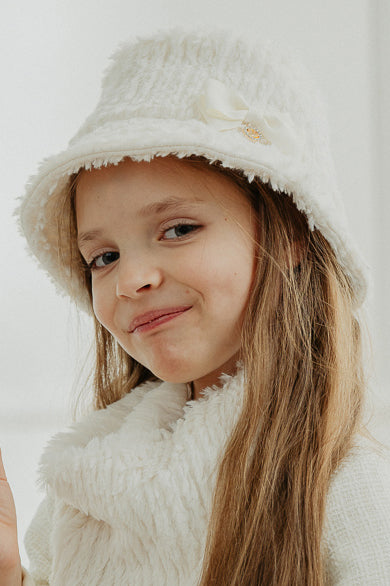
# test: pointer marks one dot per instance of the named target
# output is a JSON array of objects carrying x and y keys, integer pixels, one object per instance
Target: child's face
[{"x": 192, "y": 253}]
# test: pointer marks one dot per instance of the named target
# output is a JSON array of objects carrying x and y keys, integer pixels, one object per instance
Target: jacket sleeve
[
  {"x": 357, "y": 528},
  {"x": 37, "y": 543}
]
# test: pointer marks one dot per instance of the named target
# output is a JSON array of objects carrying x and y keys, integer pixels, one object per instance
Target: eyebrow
[
  {"x": 152, "y": 209},
  {"x": 169, "y": 204},
  {"x": 88, "y": 236}
]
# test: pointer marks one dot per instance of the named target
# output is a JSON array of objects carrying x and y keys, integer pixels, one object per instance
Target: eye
[
  {"x": 103, "y": 260},
  {"x": 179, "y": 230}
]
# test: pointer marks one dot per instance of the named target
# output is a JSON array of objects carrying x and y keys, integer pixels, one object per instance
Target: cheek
[
  {"x": 229, "y": 279},
  {"x": 242, "y": 280},
  {"x": 238, "y": 259},
  {"x": 101, "y": 307}
]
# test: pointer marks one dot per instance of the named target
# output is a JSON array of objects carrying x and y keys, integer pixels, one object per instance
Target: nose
[{"x": 136, "y": 276}]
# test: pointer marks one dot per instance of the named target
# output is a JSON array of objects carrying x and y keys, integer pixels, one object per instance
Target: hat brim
[{"x": 141, "y": 139}]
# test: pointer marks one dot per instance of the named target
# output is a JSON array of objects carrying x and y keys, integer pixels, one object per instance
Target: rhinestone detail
[{"x": 254, "y": 134}]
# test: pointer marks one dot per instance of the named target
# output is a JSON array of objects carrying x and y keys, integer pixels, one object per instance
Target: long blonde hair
[{"x": 303, "y": 399}]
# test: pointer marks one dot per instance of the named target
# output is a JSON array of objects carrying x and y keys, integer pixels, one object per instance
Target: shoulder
[
  {"x": 89, "y": 429},
  {"x": 364, "y": 474},
  {"x": 357, "y": 525},
  {"x": 104, "y": 421}
]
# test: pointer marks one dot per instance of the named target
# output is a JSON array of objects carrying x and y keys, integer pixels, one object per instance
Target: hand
[{"x": 10, "y": 565}]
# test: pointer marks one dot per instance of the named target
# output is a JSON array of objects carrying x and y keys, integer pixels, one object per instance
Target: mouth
[{"x": 152, "y": 319}]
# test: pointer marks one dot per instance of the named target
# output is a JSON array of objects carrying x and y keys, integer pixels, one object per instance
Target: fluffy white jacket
[{"x": 129, "y": 495}]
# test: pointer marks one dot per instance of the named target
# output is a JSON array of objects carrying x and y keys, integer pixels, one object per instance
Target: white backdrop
[{"x": 52, "y": 54}]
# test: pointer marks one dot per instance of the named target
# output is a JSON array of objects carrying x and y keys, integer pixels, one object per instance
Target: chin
[
  {"x": 172, "y": 376},
  {"x": 175, "y": 371},
  {"x": 168, "y": 365}
]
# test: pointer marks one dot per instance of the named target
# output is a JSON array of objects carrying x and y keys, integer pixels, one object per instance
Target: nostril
[{"x": 137, "y": 279}]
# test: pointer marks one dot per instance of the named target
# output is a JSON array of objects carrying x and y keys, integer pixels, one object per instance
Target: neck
[{"x": 212, "y": 379}]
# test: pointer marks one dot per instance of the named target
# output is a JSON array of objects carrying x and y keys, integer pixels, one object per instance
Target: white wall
[
  {"x": 380, "y": 115},
  {"x": 53, "y": 53}
]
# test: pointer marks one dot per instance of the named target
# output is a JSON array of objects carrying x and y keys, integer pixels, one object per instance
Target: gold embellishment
[
  {"x": 225, "y": 109},
  {"x": 254, "y": 134}
]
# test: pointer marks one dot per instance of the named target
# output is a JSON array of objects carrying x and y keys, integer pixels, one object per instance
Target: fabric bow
[{"x": 226, "y": 109}]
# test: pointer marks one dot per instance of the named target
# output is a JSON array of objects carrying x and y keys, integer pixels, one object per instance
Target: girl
[{"x": 196, "y": 216}]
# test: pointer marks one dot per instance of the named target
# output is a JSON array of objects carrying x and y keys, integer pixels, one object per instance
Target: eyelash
[
  {"x": 92, "y": 264},
  {"x": 179, "y": 225}
]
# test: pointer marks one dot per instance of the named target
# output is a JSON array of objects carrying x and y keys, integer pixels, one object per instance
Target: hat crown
[{"x": 162, "y": 77}]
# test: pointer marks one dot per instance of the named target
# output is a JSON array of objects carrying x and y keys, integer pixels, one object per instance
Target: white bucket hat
[{"x": 203, "y": 93}]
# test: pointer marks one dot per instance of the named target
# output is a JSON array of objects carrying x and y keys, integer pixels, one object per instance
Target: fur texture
[
  {"x": 129, "y": 493},
  {"x": 149, "y": 107}
]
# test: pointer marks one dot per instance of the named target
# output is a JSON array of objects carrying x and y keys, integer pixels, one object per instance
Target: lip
[{"x": 146, "y": 320}]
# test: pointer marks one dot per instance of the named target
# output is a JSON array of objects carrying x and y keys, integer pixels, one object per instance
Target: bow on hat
[{"x": 225, "y": 109}]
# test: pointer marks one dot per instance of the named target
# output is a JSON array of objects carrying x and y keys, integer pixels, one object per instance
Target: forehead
[{"x": 143, "y": 185}]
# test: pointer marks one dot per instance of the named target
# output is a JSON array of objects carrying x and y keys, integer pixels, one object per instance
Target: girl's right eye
[{"x": 103, "y": 260}]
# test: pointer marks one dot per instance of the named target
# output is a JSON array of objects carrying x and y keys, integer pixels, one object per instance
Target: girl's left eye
[{"x": 179, "y": 231}]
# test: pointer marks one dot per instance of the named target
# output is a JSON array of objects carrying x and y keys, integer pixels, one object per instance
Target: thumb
[
  {"x": 7, "y": 504},
  {"x": 3, "y": 475},
  {"x": 9, "y": 551}
]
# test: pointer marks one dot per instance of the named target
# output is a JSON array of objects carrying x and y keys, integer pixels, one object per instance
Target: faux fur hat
[{"x": 214, "y": 94}]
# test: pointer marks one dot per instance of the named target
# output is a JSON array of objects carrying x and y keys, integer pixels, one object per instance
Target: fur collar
[{"x": 152, "y": 437}]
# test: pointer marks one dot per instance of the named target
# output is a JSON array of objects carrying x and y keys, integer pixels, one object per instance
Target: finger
[{"x": 3, "y": 475}]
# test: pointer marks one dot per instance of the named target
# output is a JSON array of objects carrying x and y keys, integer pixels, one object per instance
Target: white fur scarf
[
  {"x": 130, "y": 492},
  {"x": 132, "y": 486}
]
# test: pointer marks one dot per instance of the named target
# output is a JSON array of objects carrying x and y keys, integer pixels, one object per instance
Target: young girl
[{"x": 196, "y": 217}]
